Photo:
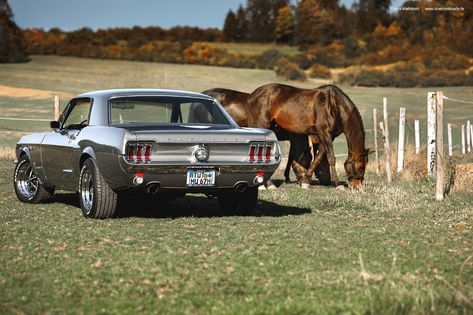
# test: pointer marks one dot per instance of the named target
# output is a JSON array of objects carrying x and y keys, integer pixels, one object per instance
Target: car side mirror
[{"x": 54, "y": 124}]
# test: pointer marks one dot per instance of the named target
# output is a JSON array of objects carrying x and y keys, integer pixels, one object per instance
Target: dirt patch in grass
[{"x": 30, "y": 93}]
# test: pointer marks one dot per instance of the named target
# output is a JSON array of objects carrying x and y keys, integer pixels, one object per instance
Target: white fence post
[
  {"x": 56, "y": 108},
  {"x": 471, "y": 135},
  {"x": 400, "y": 145},
  {"x": 431, "y": 104},
  {"x": 468, "y": 136},
  {"x": 387, "y": 154},
  {"x": 375, "y": 130},
  {"x": 417, "y": 135},
  {"x": 439, "y": 195},
  {"x": 463, "y": 139},
  {"x": 450, "y": 145}
]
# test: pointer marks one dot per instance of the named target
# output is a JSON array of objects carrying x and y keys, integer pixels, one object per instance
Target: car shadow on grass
[{"x": 145, "y": 206}]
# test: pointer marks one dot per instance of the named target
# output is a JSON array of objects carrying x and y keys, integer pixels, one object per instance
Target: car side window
[{"x": 78, "y": 116}]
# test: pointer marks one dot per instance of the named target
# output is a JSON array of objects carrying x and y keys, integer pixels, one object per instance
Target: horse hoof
[
  {"x": 271, "y": 187},
  {"x": 340, "y": 187},
  {"x": 305, "y": 185},
  {"x": 261, "y": 187}
]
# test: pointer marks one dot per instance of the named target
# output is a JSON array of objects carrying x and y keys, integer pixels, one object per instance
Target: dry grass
[{"x": 7, "y": 153}]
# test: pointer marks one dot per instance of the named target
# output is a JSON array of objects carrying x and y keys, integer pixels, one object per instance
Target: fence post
[
  {"x": 400, "y": 145},
  {"x": 431, "y": 108},
  {"x": 440, "y": 156},
  {"x": 468, "y": 136},
  {"x": 417, "y": 135},
  {"x": 56, "y": 107},
  {"x": 471, "y": 135},
  {"x": 463, "y": 139},
  {"x": 450, "y": 145},
  {"x": 387, "y": 154},
  {"x": 375, "y": 130}
]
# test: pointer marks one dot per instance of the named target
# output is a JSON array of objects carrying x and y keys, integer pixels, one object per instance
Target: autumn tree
[
  {"x": 12, "y": 42},
  {"x": 284, "y": 25},
  {"x": 314, "y": 24}
]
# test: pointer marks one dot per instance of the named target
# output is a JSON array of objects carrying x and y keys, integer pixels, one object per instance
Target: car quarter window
[
  {"x": 144, "y": 109},
  {"x": 78, "y": 116}
]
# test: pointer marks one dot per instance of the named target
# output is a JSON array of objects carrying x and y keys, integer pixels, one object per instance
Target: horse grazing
[
  {"x": 324, "y": 111},
  {"x": 235, "y": 103}
]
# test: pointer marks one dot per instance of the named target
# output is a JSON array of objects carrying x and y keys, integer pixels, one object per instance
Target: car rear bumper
[{"x": 173, "y": 177}]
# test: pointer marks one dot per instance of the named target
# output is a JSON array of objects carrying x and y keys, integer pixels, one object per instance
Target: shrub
[
  {"x": 269, "y": 58},
  {"x": 289, "y": 70},
  {"x": 319, "y": 71},
  {"x": 304, "y": 61}
]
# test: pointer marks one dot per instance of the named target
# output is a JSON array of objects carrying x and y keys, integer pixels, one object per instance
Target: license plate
[{"x": 200, "y": 178}]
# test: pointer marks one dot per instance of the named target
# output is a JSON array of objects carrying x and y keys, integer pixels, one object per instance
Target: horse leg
[
  {"x": 290, "y": 158},
  {"x": 327, "y": 145}
]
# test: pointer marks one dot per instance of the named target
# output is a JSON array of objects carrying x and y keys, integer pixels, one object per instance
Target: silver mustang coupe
[{"x": 162, "y": 142}]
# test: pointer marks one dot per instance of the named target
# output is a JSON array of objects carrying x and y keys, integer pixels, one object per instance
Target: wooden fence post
[
  {"x": 387, "y": 154},
  {"x": 468, "y": 136},
  {"x": 440, "y": 156},
  {"x": 400, "y": 145},
  {"x": 375, "y": 131},
  {"x": 56, "y": 108},
  {"x": 417, "y": 135},
  {"x": 463, "y": 139},
  {"x": 431, "y": 108},
  {"x": 450, "y": 145}
]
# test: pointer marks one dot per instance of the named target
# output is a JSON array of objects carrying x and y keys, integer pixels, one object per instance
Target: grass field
[
  {"x": 382, "y": 250},
  {"x": 253, "y": 49}
]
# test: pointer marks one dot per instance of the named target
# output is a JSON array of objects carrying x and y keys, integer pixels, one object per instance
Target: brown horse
[
  {"x": 324, "y": 111},
  {"x": 235, "y": 103}
]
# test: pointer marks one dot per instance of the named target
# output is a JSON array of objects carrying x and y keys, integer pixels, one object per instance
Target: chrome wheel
[
  {"x": 26, "y": 181},
  {"x": 87, "y": 189}
]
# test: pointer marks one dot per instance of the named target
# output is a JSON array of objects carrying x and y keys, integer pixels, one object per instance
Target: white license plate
[{"x": 200, "y": 178}]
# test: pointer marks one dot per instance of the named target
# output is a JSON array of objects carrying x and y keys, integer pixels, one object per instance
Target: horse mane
[{"x": 353, "y": 125}]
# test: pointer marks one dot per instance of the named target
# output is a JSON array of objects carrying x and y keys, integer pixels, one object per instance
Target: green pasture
[
  {"x": 71, "y": 76},
  {"x": 382, "y": 250},
  {"x": 255, "y": 49}
]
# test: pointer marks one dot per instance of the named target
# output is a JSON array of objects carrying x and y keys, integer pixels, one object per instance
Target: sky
[{"x": 74, "y": 14}]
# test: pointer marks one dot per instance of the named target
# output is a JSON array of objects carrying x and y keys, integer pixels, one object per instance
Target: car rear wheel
[
  {"x": 97, "y": 199},
  {"x": 28, "y": 186},
  {"x": 239, "y": 203}
]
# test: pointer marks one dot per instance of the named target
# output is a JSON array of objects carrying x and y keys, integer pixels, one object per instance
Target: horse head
[{"x": 355, "y": 167}]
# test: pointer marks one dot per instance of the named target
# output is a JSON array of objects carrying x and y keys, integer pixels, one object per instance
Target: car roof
[{"x": 130, "y": 92}]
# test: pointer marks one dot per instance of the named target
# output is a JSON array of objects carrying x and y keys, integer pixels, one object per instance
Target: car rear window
[{"x": 165, "y": 110}]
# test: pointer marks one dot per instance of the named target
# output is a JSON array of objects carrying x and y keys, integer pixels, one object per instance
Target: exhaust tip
[
  {"x": 153, "y": 188},
  {"x": 241, "y": 187}
]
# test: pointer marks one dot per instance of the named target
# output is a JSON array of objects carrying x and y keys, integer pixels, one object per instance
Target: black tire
[
  {"x": 28, "y": 186},
  {"x": 97, "y": 199},
  {"x": 238, "y": 203}
]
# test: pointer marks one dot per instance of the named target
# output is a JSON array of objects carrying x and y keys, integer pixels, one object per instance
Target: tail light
[
  {"x": 139, "y": 152},
  {"x": 262, "y": 153}
]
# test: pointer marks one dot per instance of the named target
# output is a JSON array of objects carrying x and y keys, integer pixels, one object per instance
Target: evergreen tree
[
  {"x": 260, "y": 20},
  {"x": 284, "y": 25},
  {"x": 230, "y": 26},
  {"x": 371, "y": 13},
  {"x": 241, "y": 29},
  {"x": 12, "y": 42}
]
